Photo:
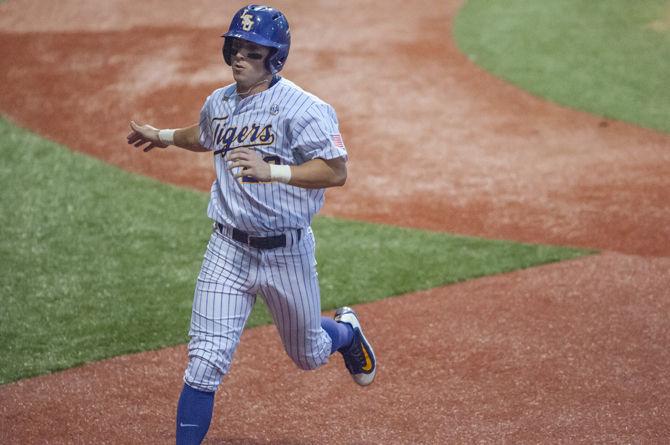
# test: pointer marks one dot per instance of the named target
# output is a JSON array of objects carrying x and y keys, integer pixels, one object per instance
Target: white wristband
[
  {"x": 166, "y": 136},
  {"x": 280, "y": 173}
]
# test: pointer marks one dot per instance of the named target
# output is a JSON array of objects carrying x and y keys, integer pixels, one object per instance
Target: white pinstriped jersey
[{"x": 288, "y": 126}]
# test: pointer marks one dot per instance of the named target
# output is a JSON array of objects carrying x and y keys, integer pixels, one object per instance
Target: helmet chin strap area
[{"x": 257, "y": 84}]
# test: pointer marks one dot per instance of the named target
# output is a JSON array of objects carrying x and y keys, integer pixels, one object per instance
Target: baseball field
[{"x": 504, "y": 233}]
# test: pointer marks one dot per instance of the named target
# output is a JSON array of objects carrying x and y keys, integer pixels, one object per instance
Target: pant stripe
[{"x": 230, "y": 277}]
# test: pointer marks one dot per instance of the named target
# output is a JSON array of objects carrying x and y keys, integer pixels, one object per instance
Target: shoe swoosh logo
[
  {"x": 184, "y": 425},
  {"x": 368, "y": 362}
]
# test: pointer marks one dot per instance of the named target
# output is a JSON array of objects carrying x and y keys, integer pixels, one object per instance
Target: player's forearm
[
  {"x": 319, "y": 173},
  {"x": 188, "y": 138}
]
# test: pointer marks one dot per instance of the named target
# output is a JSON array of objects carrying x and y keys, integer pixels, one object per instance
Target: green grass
[
  {"x": 360, "y": 262},
  {"x": 97, "y": 262},
  {"x": 600, "y": 56}
]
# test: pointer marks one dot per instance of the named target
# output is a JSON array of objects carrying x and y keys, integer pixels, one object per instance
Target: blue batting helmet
[{"x": 264, "y": 26}]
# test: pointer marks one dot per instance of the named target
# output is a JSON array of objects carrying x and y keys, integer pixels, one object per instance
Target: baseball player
[{"x": 276, "y": 149}]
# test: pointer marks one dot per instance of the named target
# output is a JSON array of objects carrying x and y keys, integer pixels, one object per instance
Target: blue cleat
[{"x": 359, "y": 357}]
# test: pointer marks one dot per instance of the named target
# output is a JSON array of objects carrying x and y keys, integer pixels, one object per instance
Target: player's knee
[
  {"x": 310, "y": 352},
  {"x": 308, "y": 362},
  {"x": 203, "y": 375},
  {"x": 305, "y": 364}
]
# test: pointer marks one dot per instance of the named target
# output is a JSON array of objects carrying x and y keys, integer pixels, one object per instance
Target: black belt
[{"x": 258, "y": 242}]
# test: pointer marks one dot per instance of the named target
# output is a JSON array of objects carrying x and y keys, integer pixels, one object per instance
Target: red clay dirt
[
  {"x": 435, "y": 142},
  {"x": 549, "y": 355},
  {"x": 573, "y": 352}
]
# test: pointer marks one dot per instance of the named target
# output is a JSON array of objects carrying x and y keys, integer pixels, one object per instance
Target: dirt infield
[
  {"x": 435, "y": 142},
  {"x": 572, "y": 352},
  {"x": 549, "y": 355}
]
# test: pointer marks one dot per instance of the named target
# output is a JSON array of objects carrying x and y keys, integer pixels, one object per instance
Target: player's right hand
[{"x": 144, "y": 134}]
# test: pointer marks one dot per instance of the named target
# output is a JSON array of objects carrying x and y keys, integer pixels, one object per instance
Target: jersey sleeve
[
  {"x": 206, "y": 136},
  {"x": 316, "y": 134}
]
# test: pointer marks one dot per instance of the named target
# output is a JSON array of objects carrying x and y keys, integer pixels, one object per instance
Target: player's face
[{"x": 248, "y": 62}]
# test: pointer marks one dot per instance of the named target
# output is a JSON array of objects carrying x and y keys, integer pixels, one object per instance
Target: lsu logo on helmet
[{"x": 247, "y": 21}]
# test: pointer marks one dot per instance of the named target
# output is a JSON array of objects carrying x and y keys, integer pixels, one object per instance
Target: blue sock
[
  {"x": 341, "y": 334},
  {"x": 194, "y": 413}
]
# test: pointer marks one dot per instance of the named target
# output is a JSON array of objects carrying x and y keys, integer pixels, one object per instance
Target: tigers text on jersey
[{"x": 287, "y": 126}]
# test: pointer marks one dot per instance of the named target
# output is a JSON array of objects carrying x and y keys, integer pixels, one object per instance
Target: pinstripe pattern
[
  {"x": 301, "y": 129},
  {"x": 292, "y": 126},
  {"x": 291, "y": 289},
  {"x": 224, "y": 297},
  {"x": 231, "y": 275}
]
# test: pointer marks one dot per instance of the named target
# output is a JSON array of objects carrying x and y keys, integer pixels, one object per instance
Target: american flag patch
[{"x": 337, "y": 140}]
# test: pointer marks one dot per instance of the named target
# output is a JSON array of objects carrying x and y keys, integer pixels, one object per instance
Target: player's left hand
[{"x": 252, "y": 164}]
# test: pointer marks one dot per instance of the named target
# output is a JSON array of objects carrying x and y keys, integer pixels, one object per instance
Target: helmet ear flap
[{"x": 270, "y": 61}]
